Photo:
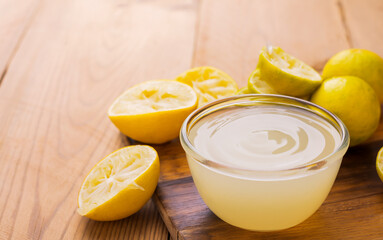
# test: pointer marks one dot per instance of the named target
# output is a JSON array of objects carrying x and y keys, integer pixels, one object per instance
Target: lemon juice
[{"x": 261, "y": 165}]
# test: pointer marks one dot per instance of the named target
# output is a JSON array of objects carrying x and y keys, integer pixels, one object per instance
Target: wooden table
[{"x": 63, "y": 62}]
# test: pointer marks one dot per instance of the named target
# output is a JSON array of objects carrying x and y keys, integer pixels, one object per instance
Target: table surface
[{"x": 63, "y": 62}]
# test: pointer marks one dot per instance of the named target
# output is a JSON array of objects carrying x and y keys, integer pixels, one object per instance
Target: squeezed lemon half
[
  {"x": 258, "y": 85},
  {"x": 209, "y": 83},
  {"x": 153, "y": 111},
  {"x": 244, "y": 90},
  {"x": 120, "y": 184},
  {"x": 286, "y": 74}
]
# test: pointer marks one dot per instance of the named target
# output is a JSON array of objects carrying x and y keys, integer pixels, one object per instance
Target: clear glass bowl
[{"x": 263, "y": 200}]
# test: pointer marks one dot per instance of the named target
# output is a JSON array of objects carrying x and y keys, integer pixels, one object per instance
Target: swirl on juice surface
[{"x": 264, "y": 137}]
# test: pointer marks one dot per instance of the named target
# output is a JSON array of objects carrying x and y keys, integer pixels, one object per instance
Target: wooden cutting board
[{"x": 353, "y": 209}]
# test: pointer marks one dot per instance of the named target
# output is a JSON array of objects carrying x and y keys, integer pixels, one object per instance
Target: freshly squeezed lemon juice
[{"x": 263, "y": 166}]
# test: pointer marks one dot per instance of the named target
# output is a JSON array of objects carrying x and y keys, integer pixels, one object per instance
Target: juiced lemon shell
[
  {"x": 153, "y": 111},
  {"x": 286, "y": 74},
  {"x": 209, "y": 83},
  {"x": 120, "y": 184}
]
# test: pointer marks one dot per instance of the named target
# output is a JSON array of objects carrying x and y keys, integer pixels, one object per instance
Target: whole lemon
[
  {"x": 360, "y": 63},
  {"x": 354, "y": 102}
]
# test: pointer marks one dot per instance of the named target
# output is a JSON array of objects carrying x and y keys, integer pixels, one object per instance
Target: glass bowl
[{"x": 251, "y": 186}]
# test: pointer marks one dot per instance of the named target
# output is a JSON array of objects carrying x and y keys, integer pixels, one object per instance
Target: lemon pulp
[
  {"x": 209, "y": 83},
  {"x": 153, "y": 111},
  {"x": 120, "y": 184},
  {"x": 286, "y": 74}
]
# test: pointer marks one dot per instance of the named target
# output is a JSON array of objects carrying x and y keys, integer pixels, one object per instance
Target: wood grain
[
  {"x": 75, "y": 58},
  {"x": 353, "y": 209},
  {"x": 229, "y": 36},
  {"x": 362, "y": 23},
  {"x": 15, "y": 18},
  {"x": 63, "y": 62}
]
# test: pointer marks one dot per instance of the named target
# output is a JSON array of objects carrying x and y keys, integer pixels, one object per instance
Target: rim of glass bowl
[{"x": 252, "y": 99}]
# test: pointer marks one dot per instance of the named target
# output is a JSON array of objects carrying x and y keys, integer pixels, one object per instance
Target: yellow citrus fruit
[
  {"x": 209, "y": 83},
  {"x": 153, "y": 111},
  {"x": 120, "y": 184},
  {"x": 244, "y": 90},
  {"x": 354, "y": 102},
  {"x": 361, "y": 63},
  {"x": 286, "y": 74},
  {"x": 379, "y": 163},
  {"x": 258, "y": 85}
]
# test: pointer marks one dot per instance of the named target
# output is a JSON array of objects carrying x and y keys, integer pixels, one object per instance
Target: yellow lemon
[
  {"x": 258, "y": 85},
  {"x": 379, "y": 163},
  {"x": 360, "y": 63},
  {"x": 153, "y": 111},
  {"x": 286, "y": 74},
  {"x": 120, "y": 184},
  {"x": 244, "y": 90},
  {"x": 355, "y": 103},
  {"x": 209, "y": 83}
]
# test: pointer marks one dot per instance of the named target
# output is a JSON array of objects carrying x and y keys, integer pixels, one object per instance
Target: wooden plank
[
  {"x": 145, "y": 224},
  {"x": 15, "y": 17},
  {"x": 229, "y": 36},
  {"x": 353, "y": 209},
  {"x": 363, "y": 24},
  {"x": 75, "y": 59}
]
